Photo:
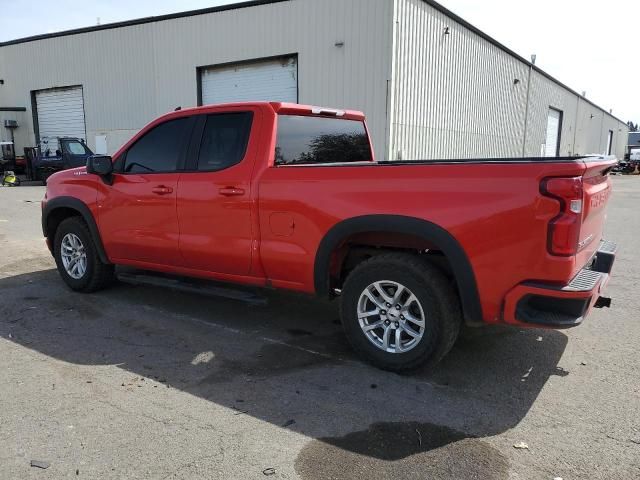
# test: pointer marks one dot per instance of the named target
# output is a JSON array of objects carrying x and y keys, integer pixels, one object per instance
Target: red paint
[{"x": 258, "y": 224}]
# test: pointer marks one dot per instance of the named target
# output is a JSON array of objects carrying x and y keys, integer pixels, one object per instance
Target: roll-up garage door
[
  {"x": 262, "y": 80},
  {"x": 554, "y": 126},
  {"x": 60, "y": 114}
]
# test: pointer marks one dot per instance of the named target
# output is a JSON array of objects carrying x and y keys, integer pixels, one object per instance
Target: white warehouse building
[{"x": 432, "y": 85}]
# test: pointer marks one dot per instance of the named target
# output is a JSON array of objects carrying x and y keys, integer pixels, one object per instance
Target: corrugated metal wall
[
  {"x": 132, "y": 74},
  {"x": 456, "y": 95},
  {"x": 593, "y": 126},
  {"x": 426, "y": 94},
  {"x": 544, "y": 94},
  {"x": 20, "y": 134},
  {"x": 453, "y": 94}
]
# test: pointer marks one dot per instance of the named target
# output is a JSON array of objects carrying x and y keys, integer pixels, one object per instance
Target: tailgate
[{"x": 597, "y": 190}]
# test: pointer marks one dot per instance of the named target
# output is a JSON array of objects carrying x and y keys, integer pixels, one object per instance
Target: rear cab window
[{"x": 311, "y": 140}]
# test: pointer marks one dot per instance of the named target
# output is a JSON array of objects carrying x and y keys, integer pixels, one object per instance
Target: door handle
[
  {"x": 162, "y": 190},
  {"x": 231, "y": 191}
]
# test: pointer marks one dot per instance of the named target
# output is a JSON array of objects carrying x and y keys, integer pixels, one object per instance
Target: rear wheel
[
  {"x": 400, "y": 312},
  {"x": 77, "y": 258}
]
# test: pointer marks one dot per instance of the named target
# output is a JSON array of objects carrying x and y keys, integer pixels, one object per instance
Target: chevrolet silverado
[{"x": 291, "y": 197}]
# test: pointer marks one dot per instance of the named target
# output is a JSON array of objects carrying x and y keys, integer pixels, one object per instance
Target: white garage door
[
  {"x": 60, "y": 114},
  {"x": 554, "y": 123},
  {"x": 267, "y": 80}
]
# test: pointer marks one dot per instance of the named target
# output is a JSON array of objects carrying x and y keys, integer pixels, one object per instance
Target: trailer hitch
[{"x": 603, "y": 302}]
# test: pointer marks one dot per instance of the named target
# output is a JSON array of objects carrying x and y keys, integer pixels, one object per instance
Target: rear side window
[
  {"x": 316, "y": 140},
  {"x": 160, "y": 149},
  {"x": 224, "y": 141}
]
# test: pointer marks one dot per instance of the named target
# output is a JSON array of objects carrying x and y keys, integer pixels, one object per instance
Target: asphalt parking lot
[{"x": 147, "y": 383}]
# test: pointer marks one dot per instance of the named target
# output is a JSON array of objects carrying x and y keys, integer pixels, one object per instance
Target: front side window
[
  {"x": 316, "y": 140},
  {"x": 224, "y": 141},
  {"x": 160, "y": 149}
]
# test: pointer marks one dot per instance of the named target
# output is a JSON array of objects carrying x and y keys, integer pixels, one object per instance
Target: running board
[{"x": 200, "y": 287}]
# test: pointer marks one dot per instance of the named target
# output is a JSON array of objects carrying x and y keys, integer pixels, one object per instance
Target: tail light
[{"x": 564, "y": 230}]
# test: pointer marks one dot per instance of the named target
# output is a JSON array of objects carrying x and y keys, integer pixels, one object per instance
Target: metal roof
[{"x": 141, "y": 21}]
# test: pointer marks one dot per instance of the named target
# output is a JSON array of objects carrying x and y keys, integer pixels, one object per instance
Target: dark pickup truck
[{"x": 67, "y": 153}]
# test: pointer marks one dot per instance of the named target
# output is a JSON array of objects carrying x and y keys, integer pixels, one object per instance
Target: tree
[
  {"x": 345, "y": 147},
  {"x": 333, "y": 147},
  {"x": 632, "y": 127}
]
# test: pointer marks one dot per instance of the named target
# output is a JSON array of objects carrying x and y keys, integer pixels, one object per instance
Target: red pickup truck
[{"x": 290, "y": 196}]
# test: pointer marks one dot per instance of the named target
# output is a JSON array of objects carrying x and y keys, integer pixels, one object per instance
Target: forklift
[
  {"x": 7, "y": 165},
  {"x": 8, "y": 157}
]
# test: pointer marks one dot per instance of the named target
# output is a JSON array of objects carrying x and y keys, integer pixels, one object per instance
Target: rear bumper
[{"x": 551, "y": 306}]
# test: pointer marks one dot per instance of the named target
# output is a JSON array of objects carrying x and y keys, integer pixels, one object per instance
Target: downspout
[
  {"x": 391, "y": 86},
  {"x": 526, "y": 113},
  {"x": 601, "y": 130},
  {"x": 575, "y": 127}
]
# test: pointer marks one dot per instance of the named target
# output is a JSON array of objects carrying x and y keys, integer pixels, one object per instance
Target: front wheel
[
  {"x": 400, "y": 312},
  {"x": 77, "y": 258}
]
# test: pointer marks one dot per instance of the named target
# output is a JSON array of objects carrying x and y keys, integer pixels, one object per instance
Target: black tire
[
  {"x": 439, "y": 301},
  {"x": 38, "y": 177},
  {"x": 98, "y": 275}
]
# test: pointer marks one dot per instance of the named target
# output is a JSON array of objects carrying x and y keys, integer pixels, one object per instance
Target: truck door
[
  {"x": 74, "y": 153},
  {"x": 137, "y": 213},
  {"x": 214, "y": 201}
]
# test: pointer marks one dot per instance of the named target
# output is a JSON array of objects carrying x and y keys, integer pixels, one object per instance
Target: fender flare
[
  {"x": 84, "y": 211},
  {"x": 442, "y": 239}
]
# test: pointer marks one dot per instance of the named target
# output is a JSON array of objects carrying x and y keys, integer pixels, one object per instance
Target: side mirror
[{"x": 101, "y": 165}]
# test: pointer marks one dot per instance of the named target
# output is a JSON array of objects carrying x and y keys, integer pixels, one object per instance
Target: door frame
[
  {"x": 560, "y": 124},
  {"x": 34, "y": 109},
  {"x": 251, "y": 157}
]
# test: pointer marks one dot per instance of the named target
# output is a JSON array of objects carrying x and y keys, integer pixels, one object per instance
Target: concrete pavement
[{"x": 146, "y": 383}]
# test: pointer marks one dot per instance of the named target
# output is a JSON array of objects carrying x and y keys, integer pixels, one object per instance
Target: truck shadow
[
  {"x": 29, "y": 183},
  {"x": 288, "y": 363}
]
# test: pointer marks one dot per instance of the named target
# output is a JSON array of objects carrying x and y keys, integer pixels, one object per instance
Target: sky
[{"x": 586, "y": 44}]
